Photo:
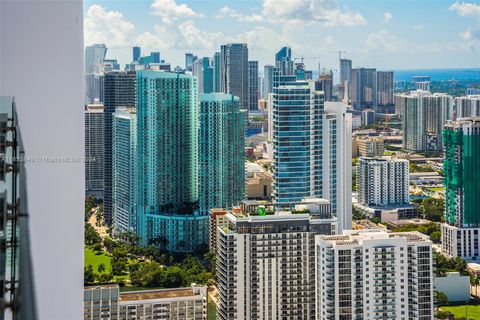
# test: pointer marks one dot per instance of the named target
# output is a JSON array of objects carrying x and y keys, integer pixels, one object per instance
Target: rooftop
[
  {"x": 162, "y": 74},
  {"x": 351, "y": 237},
  {"x": 156, "y": 294}
]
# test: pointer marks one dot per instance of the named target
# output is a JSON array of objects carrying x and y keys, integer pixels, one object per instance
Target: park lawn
[
  {"x": 94, "y": 259},
  {"x": 459, "y": 311}
]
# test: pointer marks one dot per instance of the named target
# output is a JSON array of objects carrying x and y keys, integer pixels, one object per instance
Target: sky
[{"x": 386, "y": 34}]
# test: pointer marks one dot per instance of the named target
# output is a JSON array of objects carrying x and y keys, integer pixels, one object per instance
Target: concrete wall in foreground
[{"x": 41, "y": 64}]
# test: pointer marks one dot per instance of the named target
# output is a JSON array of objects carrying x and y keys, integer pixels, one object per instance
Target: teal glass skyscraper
[
  {"x": 124, "y": 153},
  {"x": 221, "y": 148},
  {"x": 167, "y": 146},
  {"x": 207, "y": 73},
  {"x": 217, "y": 86}
]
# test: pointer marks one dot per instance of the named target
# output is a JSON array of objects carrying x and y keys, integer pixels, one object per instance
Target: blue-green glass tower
[
  {"x": 221, "y": 149},
  {"x": 167, "y": 201},
  {"x": 124, "y": 155},
  {"x": 207, "y": 73},
  {"x": 217, "y": 84}
]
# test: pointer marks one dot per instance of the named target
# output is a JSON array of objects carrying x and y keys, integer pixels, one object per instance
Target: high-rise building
[
  {"x": 167, "y": 161},
  {"x": 265, "y": 260},
  {"x": 217, "y": 79},
  {"x": 422, "y": 85},
  {"x": 234, "y": 71},
  {"x": 267, "y": 80},
  {"x": 207, "y": 75},
  {"x": 221, "y": 152},
  {"x": 253, "y": 91},
  {"x": 311, "y": 147},
  {"x": 284, "y": 62},
  {"x": 363, "y": 88},
  {"x": 197, "y": 71},
  {"x": 423, "y": 117},
  {"x": 93, "y": 88},
  {"x": 260, "y": 89},
  {"x": 189, "y": 60},
  {"x": 383, "y": 181},
  {"x": 473, "y": 91},
  {"x": 94, "y": 58},
  {"x": 368, "y": 117},
  {"x": 94, "y": 55},
  {"x": 136, "y": 53},
  {"x": 284, "y": 54},
  {"x": 345, "y": 70},
  {"x": 467, "y": 106},
  {"x": 120, "y": 91},
  {"x": 124, "y": 155},
  {"x": 94, "y": 150},
  {"x": 301, "y": 73},
  {"x": 385, "y": 100},
  {"x": 308, "y": 74},
  {"x": 370, "y": 146},
  {"x": 461, "y": 169},
  {"x": 374, "y": 275},
  {"x": 203, "y": 70},
  {"x": 109, "y": 65},
  {"x": 325, "y": 83},
  {"x": 344, "y": 85},
  {"x": 217, "y": 218},
  {"x": 106, "y": 302},
  {"x": 422, "y": 82},
  {"x": 155, "y": 57}
]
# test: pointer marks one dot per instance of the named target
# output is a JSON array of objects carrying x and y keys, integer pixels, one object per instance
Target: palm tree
[{"x": 476, "y": 282}]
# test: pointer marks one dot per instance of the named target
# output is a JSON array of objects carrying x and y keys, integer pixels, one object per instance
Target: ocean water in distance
[{"x": 438, "y": 74}]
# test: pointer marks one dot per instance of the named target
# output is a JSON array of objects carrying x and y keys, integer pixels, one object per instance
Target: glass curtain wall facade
[
  {"x": 297, "y": 142},
  {"x": 119, "y": 92},
  {"x": 167, "y": 162},
  {"x": 221, "y": 151},
  {"x": 124, "y": 170}
]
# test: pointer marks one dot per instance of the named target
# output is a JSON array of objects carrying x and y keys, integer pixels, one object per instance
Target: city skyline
[
  {"x": 391, "y": 34},
  {"x": 183, "y": 159}
]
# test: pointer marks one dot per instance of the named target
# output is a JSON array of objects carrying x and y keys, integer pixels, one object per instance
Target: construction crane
[
  {"x": 339, "y": 53},
  {"x": 301, "y": 58}
]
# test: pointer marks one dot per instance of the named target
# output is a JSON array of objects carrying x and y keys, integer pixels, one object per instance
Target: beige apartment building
[{"x": 106, "y": 302}]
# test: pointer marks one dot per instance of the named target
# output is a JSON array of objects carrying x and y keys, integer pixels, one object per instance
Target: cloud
[
  {"x": 472, "y": 35},
  {"x": 180, "y": 36},
  {"x": 227, "y": 12},
  {"x": 109, "y": 27},
  {"x": 419, "y": 27},
  {"x": 467, "y": 34},
  {"x": 387, "y": 17},
  {"x": 193, "y": 38},
  {"x": 170, "y": 11},
  {"x": 466, "y": 9},
  {"x": 262, "y": 38},
  {"x": 303, "y": 11},
  {"x": 385, "y": 42},
  {"x": 329, "y": 40}
]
